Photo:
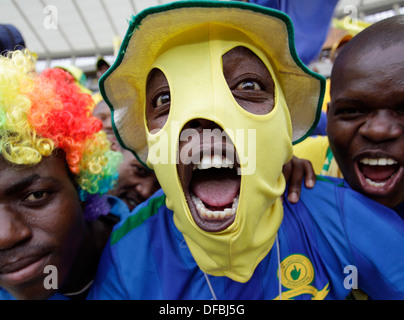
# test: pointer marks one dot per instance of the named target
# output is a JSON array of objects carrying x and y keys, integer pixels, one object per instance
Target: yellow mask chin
[{"x": 199, "y": 91}]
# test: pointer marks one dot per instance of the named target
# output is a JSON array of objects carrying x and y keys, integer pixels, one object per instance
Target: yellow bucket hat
[{"x": 123, "y": 85}]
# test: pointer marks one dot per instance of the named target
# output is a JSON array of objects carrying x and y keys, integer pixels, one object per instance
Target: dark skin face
[
  {"x": 135, "y": 184},
  {"x": 102, "y": 112},
  {"x": 252, "y": 87},
  {"x": 366, "y": 123},
  {"x": 41, "y": 223}
]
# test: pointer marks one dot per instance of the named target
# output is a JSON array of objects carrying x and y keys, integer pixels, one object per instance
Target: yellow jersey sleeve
[{"x": 317, "y": 150}]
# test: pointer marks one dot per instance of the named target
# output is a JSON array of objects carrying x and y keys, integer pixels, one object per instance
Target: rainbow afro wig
[{"x": 43, "y": 113}]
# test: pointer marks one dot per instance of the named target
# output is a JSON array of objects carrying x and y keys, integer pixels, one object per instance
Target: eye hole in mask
[
  {"x": 249, "y": 80},
  {"x": 158, "y": 99},
  {"x": 246, "y": 75}
]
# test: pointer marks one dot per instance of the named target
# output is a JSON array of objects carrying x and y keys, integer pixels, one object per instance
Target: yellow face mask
[{"x": 192, "y": 64}]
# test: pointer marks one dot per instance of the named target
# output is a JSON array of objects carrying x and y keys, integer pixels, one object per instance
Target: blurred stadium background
[{"x": 79, "y": 32}]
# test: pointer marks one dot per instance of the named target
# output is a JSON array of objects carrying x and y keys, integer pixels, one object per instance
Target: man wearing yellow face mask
[{"x": 212, "y": 104}]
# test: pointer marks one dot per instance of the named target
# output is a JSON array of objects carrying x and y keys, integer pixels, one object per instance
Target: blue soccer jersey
[{"x": 331, "y": 239}]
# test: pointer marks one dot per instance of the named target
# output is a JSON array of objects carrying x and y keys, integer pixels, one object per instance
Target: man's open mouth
[
  {"x": 213, "y": 191},
  {"x": 378, "y": 174}
]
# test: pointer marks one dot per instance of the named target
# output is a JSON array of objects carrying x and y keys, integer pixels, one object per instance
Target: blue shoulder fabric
[{"x": 311, "y": 21}]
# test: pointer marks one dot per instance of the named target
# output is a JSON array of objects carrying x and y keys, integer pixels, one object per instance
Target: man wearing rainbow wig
[
  {"x": 55, "y": 167},
  {"x": 211, "y": 95}
]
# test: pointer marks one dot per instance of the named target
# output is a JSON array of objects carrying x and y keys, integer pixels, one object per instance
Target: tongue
[
  {"x": 216, "y": 187},
  {"x": 378, "y": 173}
]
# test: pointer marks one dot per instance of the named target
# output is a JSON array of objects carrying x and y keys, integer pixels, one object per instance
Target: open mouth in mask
[{"x": 211, "y": 184}]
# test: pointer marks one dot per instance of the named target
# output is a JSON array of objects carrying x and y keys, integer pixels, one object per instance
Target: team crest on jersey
[{"x": 297, "y": 274}]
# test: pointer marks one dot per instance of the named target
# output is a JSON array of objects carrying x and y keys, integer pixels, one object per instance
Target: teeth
[
  {"x": 375, "y": 184},
  {"x": 215, "y": 161},
  {"x": 378, "y": 162},
  {"x": 206, "y": 163},
  {"x": 214, "y": 215}
]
